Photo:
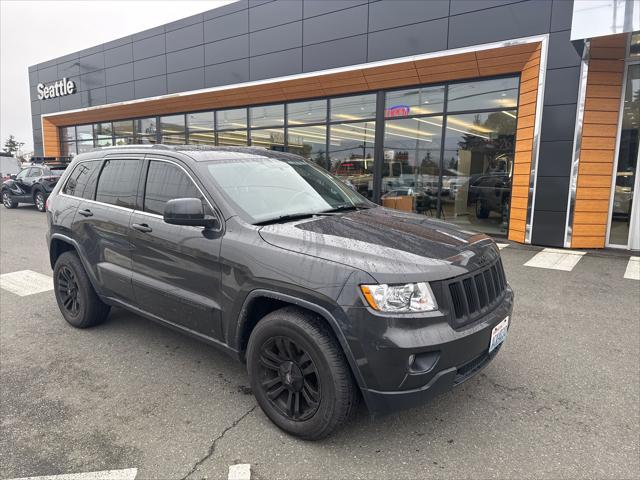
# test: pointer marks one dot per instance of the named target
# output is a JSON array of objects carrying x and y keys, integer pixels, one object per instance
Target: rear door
[
  {"x": 101, "y": 224},
  {"x": 176, "y": 268}
]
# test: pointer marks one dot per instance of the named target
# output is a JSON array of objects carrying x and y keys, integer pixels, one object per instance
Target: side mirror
[
  {"x": 188, "y": 211},
  {"x": 13, "y": 177}
]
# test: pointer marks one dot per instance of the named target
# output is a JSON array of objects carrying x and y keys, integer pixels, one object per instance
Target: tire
[
  {"x": 77, "y": 300},
  {"x": 318, "y": 380},
  {"x": 7, "y": 200},
  {"x": 482, "y": 210},
  {"x": 39, "y": 201}
]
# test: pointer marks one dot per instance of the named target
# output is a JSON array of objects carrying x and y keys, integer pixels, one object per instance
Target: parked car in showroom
[
  {"x": 32, "y": 185},
  {"x": 326, "y": 296}
]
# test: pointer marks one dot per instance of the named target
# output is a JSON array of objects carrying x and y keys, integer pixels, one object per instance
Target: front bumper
[{"x": 405, "y": 361}]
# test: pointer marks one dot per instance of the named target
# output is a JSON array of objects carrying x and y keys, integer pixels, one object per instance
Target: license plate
[{"x": 499, "y": 334}]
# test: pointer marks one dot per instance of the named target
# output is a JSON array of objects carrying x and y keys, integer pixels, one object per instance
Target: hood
[{"x": 390, "y": 245}]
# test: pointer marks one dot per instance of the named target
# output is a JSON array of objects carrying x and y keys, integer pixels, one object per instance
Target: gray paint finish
[
  {"x": 275, "y": 39},
  {"x": 340, "y": 24},
  {"x": 226, "y": 50},
  {"x": 275, "y": 64},
  {"x": 226, "y": 73},
  {"x": 274, "y": 13},
  {"x": 395, "y": 13},
  {"x": 185, "y": 59},
  {"x": 410, "y": 40},
  {"x": 230, "y": 25},
  {"x": 347, "y": 51}
]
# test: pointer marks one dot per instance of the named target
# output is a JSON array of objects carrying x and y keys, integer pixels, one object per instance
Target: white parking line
[
  {"x": 556, "y": 259},
  {"x": 241, "y": 471},
  {"x": 25, "y": 282},
  {"x": 502, "y": 245},
  {"x": 126, "y": 474},
  {"x": 633, "y": 269}
]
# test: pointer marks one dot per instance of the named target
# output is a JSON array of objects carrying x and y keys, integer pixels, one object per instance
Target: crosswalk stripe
[
  {"x": 633, "y": 269},
  {"x": 240, "y": 471},
  {"x": 502, "y": 245},
  {"x": 26, "y": 282},
  {"x": 125, "y": 474},
  {"x": 556, "y": 259}
]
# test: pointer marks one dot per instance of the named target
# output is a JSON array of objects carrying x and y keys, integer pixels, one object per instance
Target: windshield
[
  {"x": 56, "y": 172},
  {"x": 270, "y": 188}
]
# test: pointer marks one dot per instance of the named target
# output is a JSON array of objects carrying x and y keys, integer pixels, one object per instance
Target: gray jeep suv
[{"x": 326, "y": 296}]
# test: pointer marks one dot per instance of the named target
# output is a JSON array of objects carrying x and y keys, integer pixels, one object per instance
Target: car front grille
[{"x": 473, "y": 295}]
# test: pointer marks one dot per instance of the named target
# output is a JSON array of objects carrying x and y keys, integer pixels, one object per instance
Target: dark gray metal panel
[
  {"x": 117, "y": 42},
  {"x": 227, "y": 73},
  {"x": 149, "y": 47},
  {"x": 35, "y": 108},
  {"x": 35, "y": 123},
  {"x": 548, "y": 228},
  {"x": 278, "y": 64},
  {"x": 152, "y": 32},
  {"x": 92, "y": 80},
  {"x": 274, "y": 13},
  {"x": 49, "y": 74},
  {"x": 562, "y": 53},
  {"x": 500, "y": 23},
  {"x": 68, "y": 69},
  {"x": 184, "y": 22},
  {"x": 465, "y": 6},
  {"x": 311, "y": 8},
  {"x": 33, "y": 77},
  {"x": 562, "y": 86},
  {"x": 90, "y": 51},
  {"x": 558, "y": 122},
  {"x": 552, "y": 193},
  {"x": 50, "y": 105},
  {"x": 185, "y": 37},
  {"x": 118, "y": 55},
  {"x": 340, "y": 24},
  {"x": 71, "y": 102},
  {"x": 554, "y": 158},
  {"x": 561, "y": 14},
  {"x": 150, "y": 67},
  {"x": 396, "y": 13},
  {"x": 91, "y": 63},
  {"x": 228, "y": 26},
  {"x": 410, "y": 40},
  {"x": 120, "y": 93},
  {"x": 226, "y": 50},
  {"x": 275, "y": 39},
  {"x": 96, "y": 96},
  {"x": 185, "y": 81},
  {"x": 119, "y": 74},
  {"x": 225, "y": 10},
  {"x": 346, "y": 51},
  {"x": 185, "y": 59},
  {"x": 150, "y": 87}
]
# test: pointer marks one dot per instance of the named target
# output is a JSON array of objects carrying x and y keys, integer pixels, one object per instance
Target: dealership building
[{"x": 519, "y": 118}]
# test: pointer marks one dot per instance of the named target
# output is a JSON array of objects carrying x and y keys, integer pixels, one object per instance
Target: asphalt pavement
[{"x": 561, "y": 400}]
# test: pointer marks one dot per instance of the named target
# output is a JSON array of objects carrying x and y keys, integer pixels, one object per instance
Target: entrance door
[{"x": 624, "y": 226}]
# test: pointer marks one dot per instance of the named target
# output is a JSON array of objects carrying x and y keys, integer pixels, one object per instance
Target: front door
[{"x": 176, "y": 268}]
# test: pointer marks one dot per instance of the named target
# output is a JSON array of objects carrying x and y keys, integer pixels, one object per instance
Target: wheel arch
[{"x": 58, "y": 244}]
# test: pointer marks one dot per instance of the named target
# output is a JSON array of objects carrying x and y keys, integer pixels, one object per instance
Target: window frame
[{"x": 68, "y": 179}]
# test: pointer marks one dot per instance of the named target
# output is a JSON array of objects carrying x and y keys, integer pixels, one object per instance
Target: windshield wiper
[
  {"x": 347, "y": 207},
  {"x": 287, "y": 218}
]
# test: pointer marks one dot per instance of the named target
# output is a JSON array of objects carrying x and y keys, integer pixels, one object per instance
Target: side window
[
  {"x": 82, "y": 181},
  {"x": 34, "y": 172},
  {"x": 118, "y": 182},
  {"x": 22, "y": 174},
  {"x": 165, "y": 182}
]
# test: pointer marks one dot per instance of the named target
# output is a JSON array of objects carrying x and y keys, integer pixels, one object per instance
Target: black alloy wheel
[
  {"x": 68, "y": 291},
  {"x": 7, "y": 200},
  {"x": 40, "y": 201},
  {"x": 289, "y": 378}
]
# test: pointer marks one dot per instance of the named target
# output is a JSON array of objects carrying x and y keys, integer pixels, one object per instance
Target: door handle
[
  {"x": 86, "y": 212},
  {"x": 142, "y": 227}
]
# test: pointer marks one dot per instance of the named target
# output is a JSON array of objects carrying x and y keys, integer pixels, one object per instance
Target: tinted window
[
  {"x": 22, "y": 174},
  {"x": 82, "y": 181},
  {"x": 118, "y": 182},
  {"x": 35, "y": 172},
  {"x": 166, "y": 181}
]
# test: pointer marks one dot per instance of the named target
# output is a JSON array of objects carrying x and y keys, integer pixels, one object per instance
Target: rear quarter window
[{"x": 82, "y": 181}]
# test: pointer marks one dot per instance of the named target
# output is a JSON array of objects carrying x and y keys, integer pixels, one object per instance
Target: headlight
[{"x": 411, "y": 297}]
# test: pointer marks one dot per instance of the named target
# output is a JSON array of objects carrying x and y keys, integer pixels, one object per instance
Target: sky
[{"x": 36, "y": 31}]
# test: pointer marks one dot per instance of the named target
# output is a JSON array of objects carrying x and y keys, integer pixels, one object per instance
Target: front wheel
[
  {"x": 40, "y": 201},
  {"x": 7, "y": 200},
  {"x": 299, "y": 374}
]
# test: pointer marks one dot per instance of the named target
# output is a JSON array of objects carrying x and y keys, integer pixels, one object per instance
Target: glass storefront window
[
  {"x": 267, "y": 116},
  {"x": 271, "y": 138},
  {"x": 309, "y": 142},
  {"x": 634, "y": 46},
  {"x": 200, "y": 121},
  {"x": 232, "y": 137},
  {"x": 351, "y": 154},
  {"x": 478, "y": 169},
  {"x": 627, "y": 170},
  {"x": 314, "y": 111},
  {"x": 84, "y": 146},
  {"x": 202, "y": 138},
  {"x": 123, "y": 128},
  {"x": 415, "y": 101},
  {"x": 146, "y": 130},
  {"x": 85, "y": 133},
  {"x": 357, "y": 107},
  {"x": 231, "y": 119},
  {"x": 68, "y": 149},
  {"x": 172, "y": 126},
  {"x": 410, "y": 174},
  {"x": 485, "y": 94},
  {"x": 103, "y": 133},
  {"x": 68, "y": 134}
]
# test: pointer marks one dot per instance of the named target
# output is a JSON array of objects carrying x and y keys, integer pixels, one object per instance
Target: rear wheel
[
  {"x": 7, "y": 200},
  {"x": 299, "y": 374},
  {"x": 40, "y": 201},
  {"x": 482, "y": 209},
  {"x": 77, "y": 300}
]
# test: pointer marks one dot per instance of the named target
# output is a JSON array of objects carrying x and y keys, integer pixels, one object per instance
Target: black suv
[
  {"x": 32, "y": 185},
  {"x": 326, "y": 296}
]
